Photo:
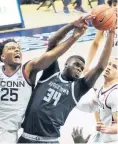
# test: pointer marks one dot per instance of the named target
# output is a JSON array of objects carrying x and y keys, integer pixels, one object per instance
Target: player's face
[
  {"x": 12, "y": 54},
  {"x": 111, "y": 71},
  {"x": 74, "y": 68}
]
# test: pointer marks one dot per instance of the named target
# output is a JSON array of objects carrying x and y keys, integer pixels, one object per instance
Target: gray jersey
[{"x": 15, "y": 93}]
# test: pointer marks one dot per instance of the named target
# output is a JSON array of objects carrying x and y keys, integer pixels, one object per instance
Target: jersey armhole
[{"x": 107, "y": 98}]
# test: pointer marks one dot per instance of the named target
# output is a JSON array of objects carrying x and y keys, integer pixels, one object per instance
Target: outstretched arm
[
  {"x": 93, "y": 74},
  {"x": 47, "y": 58},
  {"x": 59, "y": 35},
  {"x": 93, "y": 49},
  {"x": 62, "y": 32},
  {"x": 53, "y": 42}
]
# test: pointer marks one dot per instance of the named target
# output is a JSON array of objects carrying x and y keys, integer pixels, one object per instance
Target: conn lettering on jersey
[
  {"x": 59, "y": 88},
  {"x": 12, "y": 83}
]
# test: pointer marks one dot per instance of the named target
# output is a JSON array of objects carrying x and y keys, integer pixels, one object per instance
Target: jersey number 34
[{"x": 52, "y": 94}]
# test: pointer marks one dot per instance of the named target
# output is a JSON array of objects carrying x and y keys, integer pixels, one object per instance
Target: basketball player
[
  {"x": 17, "y": 80},
  {"x": 106, "y": 101},
  {"x": 106, "y": 105},
  {"x": 56, "y": 94}
]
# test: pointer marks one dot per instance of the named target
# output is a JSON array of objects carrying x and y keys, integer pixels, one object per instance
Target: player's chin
[
  {"x": 105, "y": 75},
  {"x": 76, "y": 76},
  {"x": 17, "y": 60},
  {"x": 16, "y": 63}
]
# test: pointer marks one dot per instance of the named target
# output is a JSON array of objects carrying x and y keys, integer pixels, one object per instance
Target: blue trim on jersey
[{"x": 108, "y": 89}]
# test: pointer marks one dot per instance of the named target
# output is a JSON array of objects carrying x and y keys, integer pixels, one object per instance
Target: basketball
[{"x": 105, "y": 17}]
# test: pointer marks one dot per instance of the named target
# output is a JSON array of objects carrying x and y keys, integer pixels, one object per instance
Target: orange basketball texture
[{"x": 105, "y": 17}]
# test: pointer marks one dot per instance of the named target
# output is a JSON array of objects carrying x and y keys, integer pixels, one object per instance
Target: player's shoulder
[
  {"x": 113, "y": 90},
  {"x": 114, "y": 87},
  {"x": 49, "y": 78}
]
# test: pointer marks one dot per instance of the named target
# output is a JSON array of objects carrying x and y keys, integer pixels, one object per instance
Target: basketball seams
[
  {"x": 102, "y": 12},
  {"x": 108, "y": 20},
  {"x": 105, "y": 17}
]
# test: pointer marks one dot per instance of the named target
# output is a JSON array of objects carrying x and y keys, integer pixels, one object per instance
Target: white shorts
[{"x": 8, "y": 137}]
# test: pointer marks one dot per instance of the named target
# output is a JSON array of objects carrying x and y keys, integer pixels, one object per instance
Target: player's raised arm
[
  {"x": 47, "y": 58},
  {"x": 93, "y": 74},
  {"x": 62, "y": 32},
  {"x": 59, "y": 35},
  {"x": 93, "y": 49}
]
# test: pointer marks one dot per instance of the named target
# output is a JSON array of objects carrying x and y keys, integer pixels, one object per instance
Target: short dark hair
[
  {"x": 76, "y": 57},
  {"x": 2, "y": 44},
  {"x": 111, "y": 1}
]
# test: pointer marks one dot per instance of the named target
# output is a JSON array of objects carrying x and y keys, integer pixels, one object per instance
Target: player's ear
[{"x": 2, "y": 57}]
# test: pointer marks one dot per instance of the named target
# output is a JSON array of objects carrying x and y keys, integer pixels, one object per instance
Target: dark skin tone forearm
[
  {"x": 93, "y": 74},
  {"x": 59, "y": 35}
]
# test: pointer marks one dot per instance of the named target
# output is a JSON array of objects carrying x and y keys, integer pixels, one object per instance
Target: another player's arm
[
  {"x": 110, "y": 129},
  {"x": 97, "y": 116},
  {"x": 59, "y": 35},
  {"x": 93, "y": 74},
  {"x": 93, "y": 49},
  {"x": 53, "y": 41},
  {"x": 49, "y": 57}
]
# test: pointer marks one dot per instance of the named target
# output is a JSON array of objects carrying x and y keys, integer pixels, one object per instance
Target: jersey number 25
[{"x": 10, "y": 94}]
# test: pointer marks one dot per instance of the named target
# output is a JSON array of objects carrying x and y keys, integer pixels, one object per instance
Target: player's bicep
[{"x": 92, "y": 76}]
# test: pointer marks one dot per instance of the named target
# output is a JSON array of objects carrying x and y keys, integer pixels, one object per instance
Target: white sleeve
[
  {"x": 112, "y": 100},
  {"x": 86, "y": 102}
]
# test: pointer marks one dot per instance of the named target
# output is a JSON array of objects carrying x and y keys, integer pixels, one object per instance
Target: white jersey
[
  {"x": 107, "y": 100},
  {"x": 115, "y": 43},
  {"x": 15, "y": 93}
]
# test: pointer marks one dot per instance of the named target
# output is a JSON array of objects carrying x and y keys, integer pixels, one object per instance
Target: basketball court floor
[{"x": 39, "y": 27}]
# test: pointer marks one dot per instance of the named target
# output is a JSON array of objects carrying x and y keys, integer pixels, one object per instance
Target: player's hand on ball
[{"x": 82, "y": 21}]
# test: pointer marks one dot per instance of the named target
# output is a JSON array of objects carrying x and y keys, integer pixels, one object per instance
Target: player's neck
[
  {"x": 9, "y": 70},
  {"x": 110, "y": 83},
  {"x": 66, "y": 77}
]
